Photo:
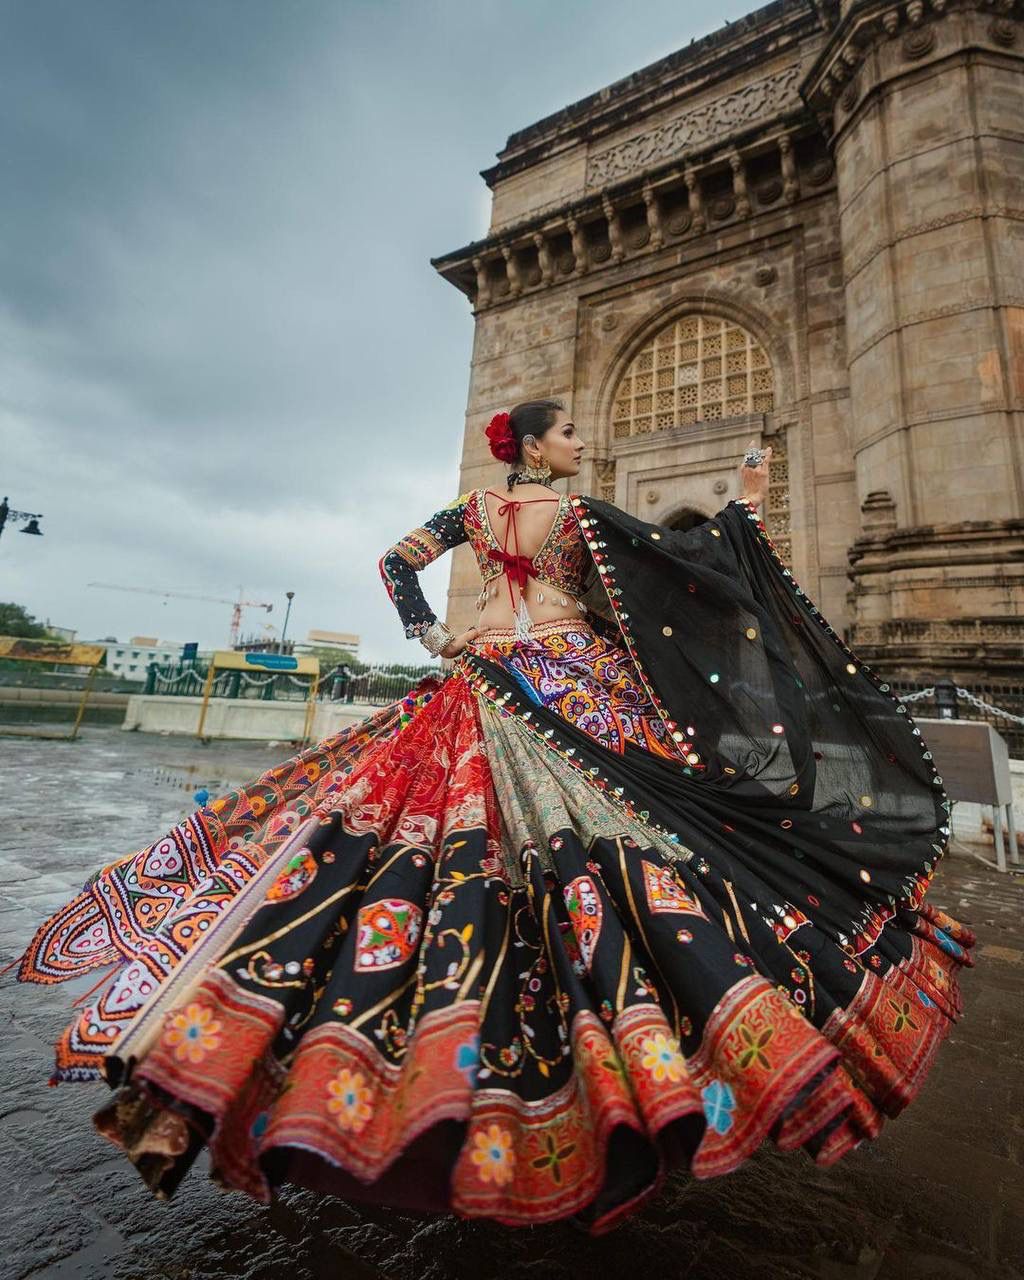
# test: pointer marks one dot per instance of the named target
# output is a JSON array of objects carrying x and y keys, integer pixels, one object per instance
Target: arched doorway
[
  {"x": 690, "y": 379},
  {"x": 686, "y": 518}
]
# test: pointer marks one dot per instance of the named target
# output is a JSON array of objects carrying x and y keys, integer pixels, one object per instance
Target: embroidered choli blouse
[{"x": 561, "y": 562}]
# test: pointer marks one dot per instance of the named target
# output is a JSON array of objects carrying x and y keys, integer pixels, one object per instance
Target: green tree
[{"x": 17, "y": 621}]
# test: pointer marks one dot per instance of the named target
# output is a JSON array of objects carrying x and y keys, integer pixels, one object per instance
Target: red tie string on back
[{"x": 518, "y": 568}]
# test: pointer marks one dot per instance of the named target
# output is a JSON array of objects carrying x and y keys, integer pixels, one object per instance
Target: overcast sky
[{"x": 225, "y": 358}]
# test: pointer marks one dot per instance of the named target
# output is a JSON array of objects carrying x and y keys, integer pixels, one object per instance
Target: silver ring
[{"x": 754, "y": 457}]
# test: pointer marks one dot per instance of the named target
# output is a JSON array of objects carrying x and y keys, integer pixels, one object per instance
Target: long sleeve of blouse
[{"x": 400, "y": 564}]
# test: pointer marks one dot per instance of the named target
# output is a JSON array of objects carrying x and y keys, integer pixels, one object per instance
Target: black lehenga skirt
[{"x": 521, "y": 943}]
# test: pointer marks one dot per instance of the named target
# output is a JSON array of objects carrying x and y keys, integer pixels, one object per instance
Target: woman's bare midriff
[
  {"x": 534, "y": 522},
  {"x": 498, "y": 613}
]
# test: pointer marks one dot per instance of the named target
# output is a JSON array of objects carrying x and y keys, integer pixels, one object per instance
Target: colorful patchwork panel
[{"x": 388, "y": 932}]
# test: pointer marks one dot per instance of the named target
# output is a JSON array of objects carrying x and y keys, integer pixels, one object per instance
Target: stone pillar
[
  {"x": 547, "y": 267},
  {"x": 512, "y": 271},
  {"x": 790, "y": 182},
  {"x": 614, "y": 231},
  {"x": 739, "y": 185},
  {"x": 696, "y": 202},
  {"x": 653, "y": 217},
  {"x": 483, "y": 287},
  {"x": 579, "y": 247},
  {"x": 926, "y": 107}
]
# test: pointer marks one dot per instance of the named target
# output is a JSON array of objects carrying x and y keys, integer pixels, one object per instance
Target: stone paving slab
[{"x": 940, "y": 1196}]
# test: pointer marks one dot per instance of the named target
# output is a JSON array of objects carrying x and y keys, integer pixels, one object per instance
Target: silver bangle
[{"x": 436, "y": 638}]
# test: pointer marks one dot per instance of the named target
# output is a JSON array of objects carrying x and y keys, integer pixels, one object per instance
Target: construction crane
[{"x": 236, "y": 605}]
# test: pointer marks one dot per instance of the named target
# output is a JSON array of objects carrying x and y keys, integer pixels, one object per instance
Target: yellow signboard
[
  {"x": 232, "y": 660},
  {"x": 18, "y": 649},
  {"x": 72, "y": 655}
]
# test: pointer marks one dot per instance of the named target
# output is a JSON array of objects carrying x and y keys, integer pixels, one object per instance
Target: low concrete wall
[
  {"x": 241, "y": 718},
  {"x": 27, "y": 695}
]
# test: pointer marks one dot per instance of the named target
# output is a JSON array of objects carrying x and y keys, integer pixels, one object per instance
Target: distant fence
[
  {"x": 977, "y": 701},
  {"x": 377, "y": 686}
]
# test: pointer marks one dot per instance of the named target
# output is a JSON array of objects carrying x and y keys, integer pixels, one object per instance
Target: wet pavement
[{"x": 939, "y": 1195}]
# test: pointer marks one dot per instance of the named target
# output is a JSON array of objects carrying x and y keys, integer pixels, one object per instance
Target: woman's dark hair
[{"x": 533, "y": 418}]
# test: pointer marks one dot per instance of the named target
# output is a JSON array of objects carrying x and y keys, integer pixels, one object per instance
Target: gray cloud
[{"x": 224, "y": 356}]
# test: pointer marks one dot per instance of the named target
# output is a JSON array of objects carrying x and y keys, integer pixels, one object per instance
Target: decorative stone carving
[
  {"x": 765, "y": 276},
  {"x": 790, "y": 182},
  {"x": 605, "y": 472},
  {"x": 1003, "y": 33},
  {"x": 652, "y": 496},
  {"x": 711, "y": 121},
  {"x": 547, "y": 267},
  {"x": 566, "y": 264},
  {"x": 696, "y": 201},
  {"x": 698, "y": 368},
  {"x": 768, "y": 192},
  {"x": 512, "y": 271},
  {"x": 739, "y": 186},
  {"x": 483, "y": 288},
  {"x": 609, "y": 322},
  {"x": 722, "y": 208},
  {"x": 679, "y": 223},
  {"x": 918, "y": 43},
  {"x": 614, "y": 230},
  {"x": 820, "y": 172},
  {"x": 657, "y": 236},
  {"x": 579, "y": 246},
  {"x": 638, "y": 237},
  {"x": 720, "y": 487},
  {"x": 601, "y": 251},
  {"x": 848, "y": 98}
]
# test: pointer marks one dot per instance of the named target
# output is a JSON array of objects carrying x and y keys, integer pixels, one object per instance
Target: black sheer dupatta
[{"x": 796, "y": 761}]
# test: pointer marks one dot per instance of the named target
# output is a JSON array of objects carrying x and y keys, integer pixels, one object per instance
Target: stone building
[{"x": 808, "y": 228}]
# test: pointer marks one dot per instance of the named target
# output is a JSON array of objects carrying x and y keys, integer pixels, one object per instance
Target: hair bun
[{"x": 504, "y": 445}]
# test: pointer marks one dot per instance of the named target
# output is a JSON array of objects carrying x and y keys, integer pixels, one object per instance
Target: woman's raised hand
[{"x": 754, "y": 480}]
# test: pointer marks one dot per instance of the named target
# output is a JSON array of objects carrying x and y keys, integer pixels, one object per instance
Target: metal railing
[
  {"x": 376, "y": 686},
  {"x": 1000, "y": 705}
]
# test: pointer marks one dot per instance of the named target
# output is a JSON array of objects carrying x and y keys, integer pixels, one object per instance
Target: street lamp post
[
  {"x": 287, "y": 613},
  {"x": 33, "y": 518}
]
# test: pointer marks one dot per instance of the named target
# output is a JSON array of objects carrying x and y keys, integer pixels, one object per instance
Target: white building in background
[
  {"x": 130, "y": 659},
  {"x": 343, "y": 641}
]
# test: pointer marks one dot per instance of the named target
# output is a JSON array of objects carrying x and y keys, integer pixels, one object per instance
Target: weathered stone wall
[{"x": 929, "y": 148}]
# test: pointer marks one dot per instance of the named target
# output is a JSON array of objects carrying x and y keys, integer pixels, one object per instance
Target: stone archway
[{"x": 685, "y": 518}]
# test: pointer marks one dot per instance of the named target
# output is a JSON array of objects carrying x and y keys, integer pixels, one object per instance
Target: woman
[{"x": 638, "y": 884}]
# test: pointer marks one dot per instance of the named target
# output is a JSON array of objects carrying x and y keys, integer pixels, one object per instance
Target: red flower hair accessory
[{"x": 503, "y": 443}]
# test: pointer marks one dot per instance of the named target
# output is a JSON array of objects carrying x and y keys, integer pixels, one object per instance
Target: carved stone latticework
[
  {"x": 699, "y": 369},
  {"x": 776, "y": 507}
]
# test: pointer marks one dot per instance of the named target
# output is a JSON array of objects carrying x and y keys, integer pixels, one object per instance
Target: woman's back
[{"x": 529, "y": 522}]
